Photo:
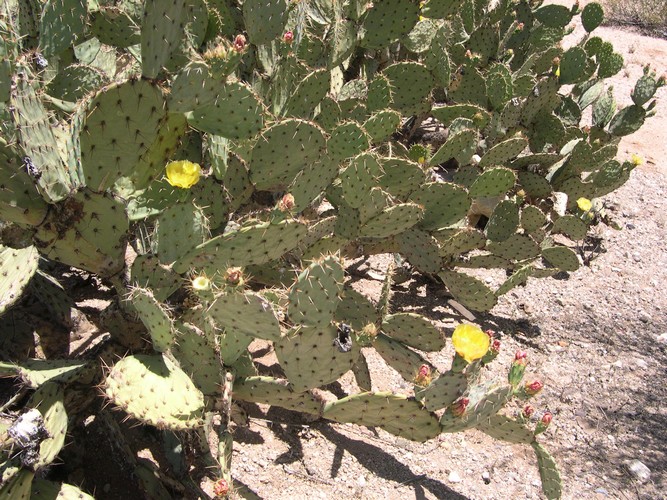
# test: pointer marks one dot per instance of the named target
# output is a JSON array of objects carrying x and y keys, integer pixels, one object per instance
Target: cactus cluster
[{"x": 243, "y": 151}]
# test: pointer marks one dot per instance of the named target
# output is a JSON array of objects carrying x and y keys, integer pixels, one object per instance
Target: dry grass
[{"x": 647, "y": 15}]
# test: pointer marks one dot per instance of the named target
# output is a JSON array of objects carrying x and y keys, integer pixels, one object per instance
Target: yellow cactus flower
[
  {"x": 636, "y": 160},
  {"x": 584, "y": 204},
  {"x": 183, "y": 173},
  {"x": 470, "y": 342}
]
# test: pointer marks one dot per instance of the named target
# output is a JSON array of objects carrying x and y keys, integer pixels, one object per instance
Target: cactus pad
[
  {"x": 505, "y": 429},
  {"x": 154, "y": 316},
  {"x": 517, "y": 247},
  {"x": 493, "y": 182},
  {"x": 316, "y": 293},
  {"x": 17, "y": 267},
  {"x": 155, "y": 391},
  {"x": 276, "y": 392},
  {"x": 401, "y": 358},
  {"x": 198, "y": 359},
  {"x": 443, "y": 391},
  {"x": 264, "y": 19},
  {"x": 394, "y": 413},
  {"x": 411, "y": 84},
  {"x": 347, "y": 140},
  {"x": 311, "y": 357},
  {"x": 468, "y": 290},
  {"x": 444, "y": 204},
  {"x": 247, "y": 314},
  {"x": 388, "y": 21},
  {"x": 561, "y": 257},
  {"x": 503, "y": 221},
  {"x": 549, "y": 474}
]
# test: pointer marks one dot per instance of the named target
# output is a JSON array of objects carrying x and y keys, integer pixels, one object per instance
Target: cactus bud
[
  {"x": 367, "y": 335},
  {"x": 662, "y": 80},
  {"x": 288, "y": 37},
  {"x": 544, "y": 423},
  {"x": 527, "y": 412},
  {"x": 533, "y": 387},
  {"x": 518, "y": 368},
  {"x": 234, "y": 276},
  {"x": 239, "y": 43},
  {"x": 520, "y": 26},
  {"x": 423, "y": 377},
  {"x": 221, "y": 488},
  {"x": 286, "y": 203},
  {"x": 458, "y": 407}
]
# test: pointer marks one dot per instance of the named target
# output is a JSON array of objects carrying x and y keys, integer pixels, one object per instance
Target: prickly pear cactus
[{"x": 215, "y": 162}]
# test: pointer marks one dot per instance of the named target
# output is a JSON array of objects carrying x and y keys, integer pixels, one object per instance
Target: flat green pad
[
  {"x": 282, "y": 151},
  {"x": 264, "y": 19},
  {"x": 276, "y": 392},
  {"x": 517, "y": 247},
  {"x": 413, "y": 330},
  {"x": 468, "y": 290},
  {"x": 179, "y": 229},
  {"x": 246, "y": 313},
  {"x": 356, "y": 310},
  {"x": 443, "y": 391},
  {"x": 382, "y": 124},
  {"x": 535, "y": 185},
  {"x": 549, "y": 474},
  {"x": 447, "y": 114},
  {"x": 49, "y": 490},
  {"x": 401, "y": 358},
  {"x": 347, "y": 140},
  {"x": 198, "y": 359},
  {"x": 505, "y": 429},
  {"x": 236, "y": 113},
  {"x": 249, "y": 245},
  {"x": 532, "y": 218},
  {"x": 49, "y": 399},
  {"x": 460, "y": 146},
  {"x": 503, "y": 222},
  {"x": 155, "y": 318},
  {"x": 308, "y": 94},
  {"x": 411, "y": 83},
  {"x": 193, "y": 87},
  {"x": 310, "y": 359},
  {"x": 391, "y": 221},
  {"x": 18, "y": 487},
  {"x": 155, "y": 391},
  {"x": 561, "y": 257},
  {"x": 503, "y": 152},
  {"x": 148, "y": 272},
  {"x": 571, "y": 226},
  {"x": 75, "y": 82},
  {"x": 493, "y": 182},
  {"x": 17, "y": 266},
  {"x": 121, "y": 124},
  {"x": 421, "y": 249},
  {"x": 483, "y": 405},
  {"x": 401, "y": 177},
  {"x": 88, "y": 231},
  {"x": 387, "y": 21},
  {"x": 444, "y": 204},
  {"x": 37, "y": 372},
  {"x": 396, "y": 414},
  {"x": 315, "y": 295},
  {"x": 462, "y": 241},
  {"x": 62, "y": 22},
  {"x": 161, "y": 34}
]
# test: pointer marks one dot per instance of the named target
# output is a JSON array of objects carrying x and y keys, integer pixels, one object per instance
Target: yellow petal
[
  {"x": 584, "y": 204},
  {"x": 183, "y": 173},
  {"x": 470, "y": 342}
]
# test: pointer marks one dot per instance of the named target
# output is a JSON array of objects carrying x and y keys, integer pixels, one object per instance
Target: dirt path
[{"x": 599, "y": 340}]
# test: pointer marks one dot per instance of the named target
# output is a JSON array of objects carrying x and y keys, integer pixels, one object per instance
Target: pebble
[
  {"x": 630, "y": 225},
  {"x": 662, "y": 338},
  {"x": 602, "y": 491},
  {"x": 486, "y": 477},
  {"x": 361, "y": 482},
  {"x": 638, "y": 470},
  {"x": 641, "y": 364},
  {"x": 644, "y": 317},
  {"x": 454, "y": 477}
]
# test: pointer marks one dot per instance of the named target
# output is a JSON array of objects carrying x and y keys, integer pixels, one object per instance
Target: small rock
[
  {"x": 630, "y": 225},
  {"x": 641, "y": 364},
  {"x": 560, "y": 301},
  {"x": 486, "y": 477},
  {"x": 454, "y": 477},
  {"x": 602, "y": 491},
  {"x": 644, "y": 317},
  {"x": 636, "y": 257},
  {"x": 617, "y": 364},
  {"x": 361, "y": 482},
  {"x": 638, "y": 470},
  {"x": 615, "y": 269},
  {"x": 536, "y": 483},
  {"x": 662, "y": 338}
]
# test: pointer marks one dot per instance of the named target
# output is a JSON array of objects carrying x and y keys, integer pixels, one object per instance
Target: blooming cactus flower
[
  {"x": 201, "y": 283},
  {"x": 470, "y": 342},
  {"x": 183, "y": 173},
  {"x": 584, "y": 204}
]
